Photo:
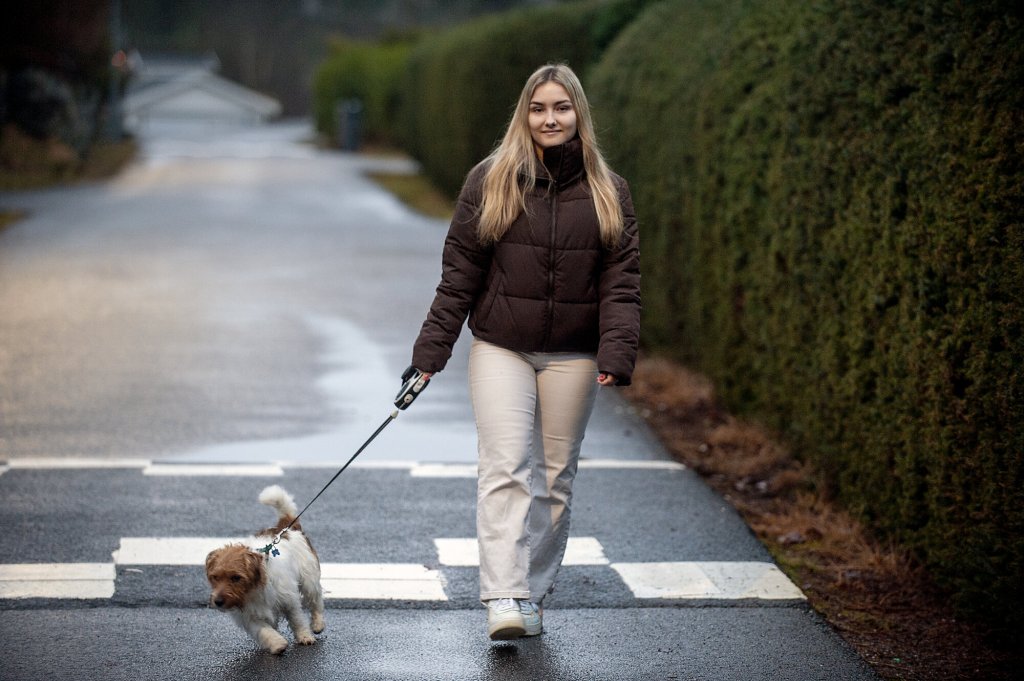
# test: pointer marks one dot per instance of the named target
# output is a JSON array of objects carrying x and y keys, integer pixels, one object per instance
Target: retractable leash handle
[{"x": 415, "y": 381}]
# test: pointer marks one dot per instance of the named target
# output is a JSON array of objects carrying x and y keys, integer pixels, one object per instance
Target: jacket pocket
[{"x": 495, "y": 286}]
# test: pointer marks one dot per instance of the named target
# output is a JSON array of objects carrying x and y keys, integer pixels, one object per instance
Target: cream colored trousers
[{"x": 531, "y": 410}]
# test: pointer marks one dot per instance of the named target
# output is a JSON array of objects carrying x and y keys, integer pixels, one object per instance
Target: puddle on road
[{"x": 360, "y": 386}]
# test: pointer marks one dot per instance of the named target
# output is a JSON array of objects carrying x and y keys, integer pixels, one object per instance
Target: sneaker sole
[{"x": 508, "y": 632}]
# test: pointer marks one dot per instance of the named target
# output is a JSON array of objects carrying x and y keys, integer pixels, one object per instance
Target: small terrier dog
[{"x": 257, "y": 586}]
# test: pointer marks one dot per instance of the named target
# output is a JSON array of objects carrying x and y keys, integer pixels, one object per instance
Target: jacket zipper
[{"x": 550, "y": 320}]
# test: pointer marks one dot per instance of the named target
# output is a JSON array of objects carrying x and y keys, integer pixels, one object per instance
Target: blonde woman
[{"x": 543, "y": 258}]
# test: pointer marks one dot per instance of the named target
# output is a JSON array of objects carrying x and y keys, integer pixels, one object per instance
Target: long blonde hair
[{"x": 513, "y": 166}]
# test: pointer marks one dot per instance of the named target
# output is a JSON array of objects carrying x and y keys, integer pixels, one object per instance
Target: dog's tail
[{"x": 276, "y": 497}]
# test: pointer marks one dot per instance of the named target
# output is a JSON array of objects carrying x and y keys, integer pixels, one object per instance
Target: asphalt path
[{"x": 242, "y": 299}]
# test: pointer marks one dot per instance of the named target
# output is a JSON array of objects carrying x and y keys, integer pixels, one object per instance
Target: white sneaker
[
  {"x": 533, "y": 618},
  {"x": 504, "y": 619}
]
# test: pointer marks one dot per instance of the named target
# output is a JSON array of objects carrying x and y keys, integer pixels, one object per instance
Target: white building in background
[{"x": 172, "y": 92}]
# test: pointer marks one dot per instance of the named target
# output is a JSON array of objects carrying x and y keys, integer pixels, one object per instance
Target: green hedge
[
  {"x": 830, "y": 202},
  {"x": 461, "y": 86},
  {"x": 369, "y": 72}
]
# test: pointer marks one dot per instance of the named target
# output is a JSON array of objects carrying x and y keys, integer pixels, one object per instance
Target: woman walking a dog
[{"x": 543, "y": 258}]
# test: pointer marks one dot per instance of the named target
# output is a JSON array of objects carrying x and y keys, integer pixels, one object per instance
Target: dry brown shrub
[
  {"x": 19, "y": 152},
  {"x": 744, "y": 451}
]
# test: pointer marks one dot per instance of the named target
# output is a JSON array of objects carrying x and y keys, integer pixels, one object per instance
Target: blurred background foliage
[
  {"x": 54, "y": 82},
  {"x": 60, "y": 78},
  {"x": 275, "y": 46},
  {"x": 460, "y": 87}
]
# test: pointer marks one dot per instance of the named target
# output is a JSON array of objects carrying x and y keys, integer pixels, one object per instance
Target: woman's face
[{"x": 552, "y": 117}]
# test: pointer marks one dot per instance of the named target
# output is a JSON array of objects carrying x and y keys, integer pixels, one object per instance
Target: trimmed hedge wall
[
  {"x": 369, "y": 72},
  {"x": 830, "y": 196},
  {"x": 461, "y": 87}
]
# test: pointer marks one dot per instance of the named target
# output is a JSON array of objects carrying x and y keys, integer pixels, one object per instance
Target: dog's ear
[
  {"x": 210, "y": 557},
  {"x": 254, "y": 567}
]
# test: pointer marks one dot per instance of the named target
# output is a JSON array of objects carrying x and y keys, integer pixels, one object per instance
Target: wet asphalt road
[{"x": 246, "y": 298}]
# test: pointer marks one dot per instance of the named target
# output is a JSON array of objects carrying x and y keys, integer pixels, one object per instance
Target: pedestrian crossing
[
  {"x": 402, "y": 581},
  {"x": 442, "y": 570}
]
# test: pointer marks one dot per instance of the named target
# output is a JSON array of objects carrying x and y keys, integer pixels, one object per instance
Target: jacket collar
[{"x": 564, "y": 163}]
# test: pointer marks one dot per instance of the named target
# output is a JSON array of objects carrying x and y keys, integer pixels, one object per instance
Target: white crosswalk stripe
[
  {"x": 378, "y": 581},
  {"x": 732, "y": 581},
  {"x": 55, "y": 463},
  {"x": 167, "y": 550},
  {"x": 466, "y": 552},
  {"x": 381, "y": 581},
  {"x": 443, "y": 470},
  {"x": 203, "y": 469},
  {"x": 57, "y": 580}
]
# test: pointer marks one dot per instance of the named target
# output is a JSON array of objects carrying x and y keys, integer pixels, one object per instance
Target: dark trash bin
[{"x": 349, "y": 113}]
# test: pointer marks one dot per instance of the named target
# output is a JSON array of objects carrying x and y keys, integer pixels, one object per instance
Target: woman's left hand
[{"x": 606, "y": 379}]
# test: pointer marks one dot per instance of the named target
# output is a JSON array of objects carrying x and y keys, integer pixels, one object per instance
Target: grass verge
[
  {"x": 9, "y": 217},
  {"x": 29, "y": 163},
  {"x": 416, "y": 191}
]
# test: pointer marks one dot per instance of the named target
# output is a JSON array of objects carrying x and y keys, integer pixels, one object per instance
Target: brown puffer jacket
[{"x": 548, "y": 285}]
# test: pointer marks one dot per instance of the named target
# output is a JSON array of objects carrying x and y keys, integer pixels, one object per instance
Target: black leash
[{"x": 415, "y": 382}]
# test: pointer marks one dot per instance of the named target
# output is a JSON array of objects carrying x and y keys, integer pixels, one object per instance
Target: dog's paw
[
  {"x": 306, "y": 639},
  {"x": 319, "y": 624},
  {"x": 273, "y": 642}
]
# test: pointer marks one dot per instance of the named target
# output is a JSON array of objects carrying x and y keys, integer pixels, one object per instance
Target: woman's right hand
[{"x": 408, "y": 373}]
